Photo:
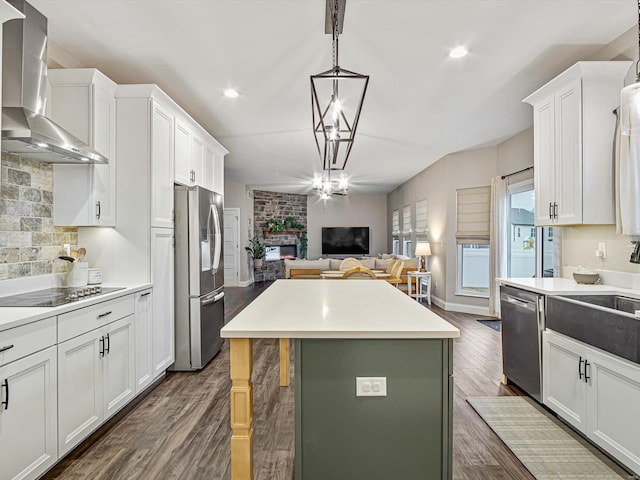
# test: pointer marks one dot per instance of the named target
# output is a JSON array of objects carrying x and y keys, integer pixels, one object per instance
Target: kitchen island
[{"x": 400, "y": 420}]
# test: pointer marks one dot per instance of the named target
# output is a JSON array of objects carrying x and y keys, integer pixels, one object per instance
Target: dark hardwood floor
[{"x": 180, "y": 430}]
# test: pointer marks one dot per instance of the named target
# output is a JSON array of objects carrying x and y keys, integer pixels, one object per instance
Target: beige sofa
[{"x": 313, "y": 268}]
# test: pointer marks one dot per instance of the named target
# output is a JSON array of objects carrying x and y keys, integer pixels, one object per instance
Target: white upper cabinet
[
  {"x": 196, "y": 160},
  {"x": 199, "y": 158},
  {"x": 218, "y": 170},
  {"x": 145, "y": 130},
  {"x": 162, "y": 135},
  {"x": 83, "y": 102},
  {"x": 574, "y": 128},
  {"x": 208, "y": 169},
  {"x": 182, "y": 170}
]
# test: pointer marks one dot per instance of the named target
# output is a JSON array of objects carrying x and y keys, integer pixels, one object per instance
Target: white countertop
[
  {"x": 11, "y": 317},
  {"x": 336, "y": 309},
  {"x": 564, "y": 286}
]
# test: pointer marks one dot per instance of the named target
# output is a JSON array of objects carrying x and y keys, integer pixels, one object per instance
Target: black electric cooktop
[{"x": 53, "y": 297}]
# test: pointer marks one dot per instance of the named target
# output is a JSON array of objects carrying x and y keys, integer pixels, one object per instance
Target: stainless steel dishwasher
[{"x": 522, "y": 315}]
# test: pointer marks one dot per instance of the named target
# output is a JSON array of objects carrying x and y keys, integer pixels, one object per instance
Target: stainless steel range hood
[{"x": 25, "y": 130}]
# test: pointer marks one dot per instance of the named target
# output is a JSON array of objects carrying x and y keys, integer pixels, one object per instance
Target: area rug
[
  {"x": 548, "y": 449},
  {"x": 495, "y": 324}
]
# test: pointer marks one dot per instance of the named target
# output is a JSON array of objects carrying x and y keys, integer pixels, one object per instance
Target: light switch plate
[{"x": 371, "y": 386}]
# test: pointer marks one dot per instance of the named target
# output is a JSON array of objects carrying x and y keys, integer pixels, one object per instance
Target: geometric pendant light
[{"x": 336, "y": 100}]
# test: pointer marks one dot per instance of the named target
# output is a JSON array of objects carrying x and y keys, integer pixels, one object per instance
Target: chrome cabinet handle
[
  {"x": 106, "y": 314},
  {"x": 102, "y": 346},
  {"x": 550, "y": 210},
  {"x": 555, "y": 210},
  {"x": 108, "y": 347},
  {"x": 4, "y": 349},
  {"x": 145, "y": 294},
  {"x": 98, "y": 207}
]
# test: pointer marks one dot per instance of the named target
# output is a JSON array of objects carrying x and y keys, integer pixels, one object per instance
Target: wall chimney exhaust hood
[{"x": 26, "y": 132}]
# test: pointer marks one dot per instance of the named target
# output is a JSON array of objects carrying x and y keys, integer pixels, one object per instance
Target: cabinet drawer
[
  {"x": 27, "y": 339},
  {"x": 86, "y": 319}
]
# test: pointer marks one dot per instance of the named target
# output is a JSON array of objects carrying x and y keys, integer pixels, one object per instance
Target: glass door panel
[{"x": 521, "y": 249}]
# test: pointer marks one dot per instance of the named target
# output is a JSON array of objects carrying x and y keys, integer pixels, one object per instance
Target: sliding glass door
[{"x": 530, "y": 248}]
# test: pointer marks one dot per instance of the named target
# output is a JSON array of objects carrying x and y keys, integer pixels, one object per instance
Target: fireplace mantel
[{"x": 266, "y": 232}]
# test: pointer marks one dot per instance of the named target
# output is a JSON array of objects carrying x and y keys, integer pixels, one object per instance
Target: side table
[{"x": 422, "y": 280}]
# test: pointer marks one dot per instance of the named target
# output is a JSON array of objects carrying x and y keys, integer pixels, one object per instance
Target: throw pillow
[
  {"x": 334, "y": 263},
  {"x": 368, "y": 262},
  {"x": 411, "y": 263},
  {"x": 383, "y": 264}
]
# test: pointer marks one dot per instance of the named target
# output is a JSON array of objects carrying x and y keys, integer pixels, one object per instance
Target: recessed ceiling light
[
  {"x": 42, "y": 145},
  {"x": 459, "y": 52},
  {"x": 84, "y": 159},
  {"x": 231, "y": 93}
]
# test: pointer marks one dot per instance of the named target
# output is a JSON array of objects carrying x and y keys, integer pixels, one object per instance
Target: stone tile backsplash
[{"x": 29, "y": 243}]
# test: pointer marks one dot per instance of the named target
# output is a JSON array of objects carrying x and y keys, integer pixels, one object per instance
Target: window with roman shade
[
  {"x": 421, "y": 217},
  {"x": 473, "y": 215},
  {"x": 406, "y": 220},
  {"x": 395, "y": 223}
]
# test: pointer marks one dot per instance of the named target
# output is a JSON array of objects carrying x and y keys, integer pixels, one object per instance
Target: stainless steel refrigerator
[{"x": 199, "y": 280}]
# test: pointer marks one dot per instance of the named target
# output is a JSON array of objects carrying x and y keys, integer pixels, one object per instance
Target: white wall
[
  {"x": 516, "y": 153},
  {"x": 352, "y": 211},
  {"x": 580, "y": 243},
  {"x": 237, "y": 195},
  {"x": 438, "y": 184}
]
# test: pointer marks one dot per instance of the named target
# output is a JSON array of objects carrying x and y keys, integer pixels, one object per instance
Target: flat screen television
[{"x": 345, "y": 241}]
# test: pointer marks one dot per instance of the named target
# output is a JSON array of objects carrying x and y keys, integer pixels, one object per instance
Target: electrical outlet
[
  {"x": 602, "y": 250},
  {"x": 371, "y": 386}
]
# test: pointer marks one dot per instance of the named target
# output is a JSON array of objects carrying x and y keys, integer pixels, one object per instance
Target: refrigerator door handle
[
  {"x": 217, "y": 240},
  {"x": 209, "y": 301}
]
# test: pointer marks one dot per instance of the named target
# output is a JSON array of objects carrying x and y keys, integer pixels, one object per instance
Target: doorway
[{"x": 231, "y": 247}]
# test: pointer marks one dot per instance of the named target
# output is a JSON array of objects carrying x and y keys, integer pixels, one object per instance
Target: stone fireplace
[{"x": 268, "y": 205}]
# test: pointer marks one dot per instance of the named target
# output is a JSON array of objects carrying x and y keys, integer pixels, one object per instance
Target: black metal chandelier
[{"x": 335, "y": 118}]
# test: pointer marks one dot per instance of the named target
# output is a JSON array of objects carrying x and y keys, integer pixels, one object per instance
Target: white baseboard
[
  {"x": 472, "y": 309},
  {"x": 439, "y": 302},
  {"x": 460, "y": 308},
  {"x": 245, "y": 283}
]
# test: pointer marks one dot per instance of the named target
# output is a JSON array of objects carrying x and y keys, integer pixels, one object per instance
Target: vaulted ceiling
[{"x": 420, "y": 105}]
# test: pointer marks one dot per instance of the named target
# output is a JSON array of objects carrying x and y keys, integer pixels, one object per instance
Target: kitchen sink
[
  {"x": 607, "y": 322},
  {"x": 613, "y": 302}
]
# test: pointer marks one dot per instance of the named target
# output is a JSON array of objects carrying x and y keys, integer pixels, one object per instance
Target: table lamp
[{"x": 422, "y": 250}]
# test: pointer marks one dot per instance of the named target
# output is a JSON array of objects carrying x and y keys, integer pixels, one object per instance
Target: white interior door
[{"x": 231, "y": 246}]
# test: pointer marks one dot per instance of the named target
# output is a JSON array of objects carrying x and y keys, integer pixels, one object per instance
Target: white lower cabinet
[
  {"x": 95, "y": 379},
  {"x": 144, "y": 340},
  {"x": 118, "y": 365},
  {"x": 564, "y": 386},
  {"x": 28, "y": 416},
  {"x": 613, "y": 421},
  {"x": 596, "y": 392},
  {"x": 162, "y": 253}
]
